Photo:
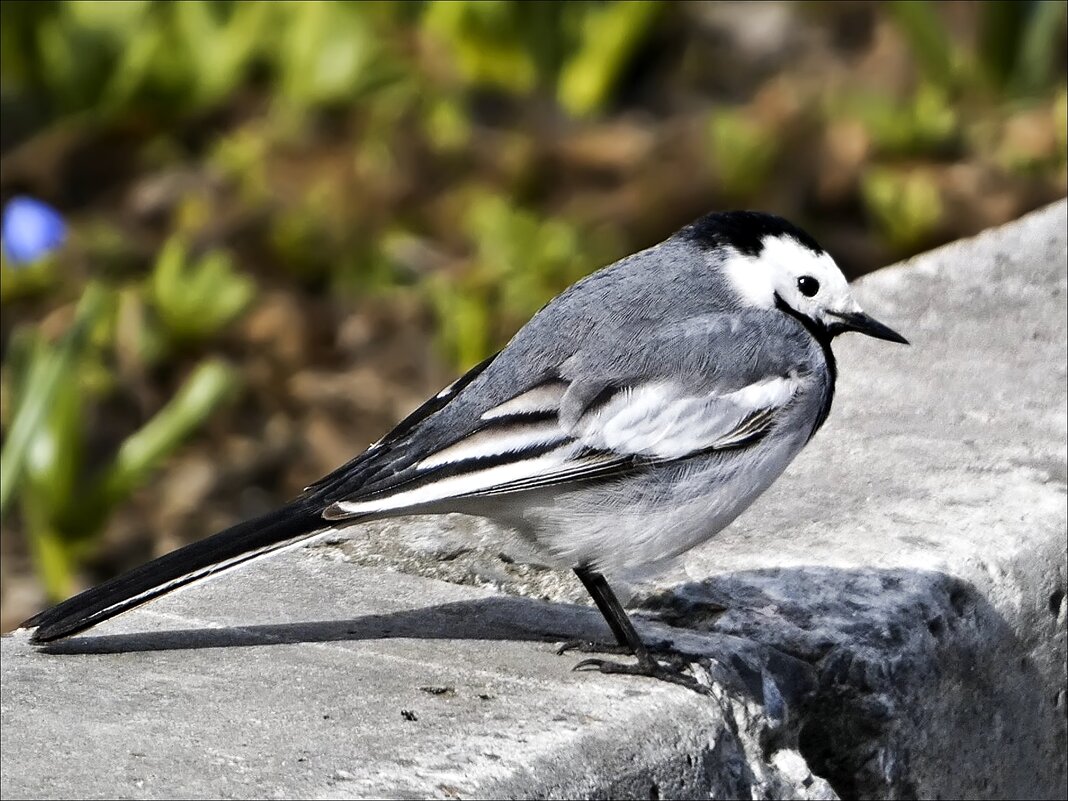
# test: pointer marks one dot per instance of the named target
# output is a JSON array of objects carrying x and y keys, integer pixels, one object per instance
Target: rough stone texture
[
  {"x": 433, "y": 690},
  {"x": 887, "y": 621}
]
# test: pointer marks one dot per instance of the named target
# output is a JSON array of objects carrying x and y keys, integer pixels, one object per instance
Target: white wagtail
[{"x": 634, "y": 416}]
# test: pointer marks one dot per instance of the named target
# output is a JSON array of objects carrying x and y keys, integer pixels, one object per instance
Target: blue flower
[{"x": 30, "y": 230}]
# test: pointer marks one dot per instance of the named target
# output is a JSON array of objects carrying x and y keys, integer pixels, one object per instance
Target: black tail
[{"x": 224, "y": 550}]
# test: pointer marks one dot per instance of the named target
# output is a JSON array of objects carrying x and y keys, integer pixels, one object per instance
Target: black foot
[
  {"x": 594, "y": 647},
  {"x": 649, "y": 668}
]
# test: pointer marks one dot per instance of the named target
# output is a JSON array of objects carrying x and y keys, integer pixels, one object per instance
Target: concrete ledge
[{"x": 888, "y": 621}]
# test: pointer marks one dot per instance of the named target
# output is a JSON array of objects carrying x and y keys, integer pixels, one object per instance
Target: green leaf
[
  {"x": 54, "y": 456},
  {"x": 906, "y": 206},
  {"x": 928, "y": 37},
  {"x": 610, "y": 35},
  {"x": 1036, "y": 65},
  {"x": 196, "y": 299},
  {"x": 52, "y": 555},
  {"x": 744, "y": 151},
  {"x": 44, "y": 381},
  {"x": 209, "y": 385},
  {"x": 486, "y": 40}
]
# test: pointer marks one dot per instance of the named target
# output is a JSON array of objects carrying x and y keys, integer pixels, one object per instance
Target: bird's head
[{"x": 769, "y": 263}]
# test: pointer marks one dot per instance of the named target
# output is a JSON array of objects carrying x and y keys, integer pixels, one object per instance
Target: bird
[{"x": 632, "y": 418}]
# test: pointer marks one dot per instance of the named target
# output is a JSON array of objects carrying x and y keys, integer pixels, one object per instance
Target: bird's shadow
[{"x": 496, "y": 618}]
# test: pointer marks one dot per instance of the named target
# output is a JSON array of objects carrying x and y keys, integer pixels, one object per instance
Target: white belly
[{"x": 648, "y": 517}]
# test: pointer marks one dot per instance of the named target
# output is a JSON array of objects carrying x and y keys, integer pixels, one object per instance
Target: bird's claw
[{"x": 648, "y": 667}]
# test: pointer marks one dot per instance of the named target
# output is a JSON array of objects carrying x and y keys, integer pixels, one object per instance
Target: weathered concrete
[{"x": 894, "y": 615}]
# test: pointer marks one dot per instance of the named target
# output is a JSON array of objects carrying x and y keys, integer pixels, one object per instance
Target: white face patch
[
  {"x": 749, "y": 278},
  {"x": 777, "y": 270}
]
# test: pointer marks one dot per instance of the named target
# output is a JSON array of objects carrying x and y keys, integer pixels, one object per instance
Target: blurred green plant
[
  {"x": 1018, "y": 43},
  {"x": 906, "y": 205},
  {"x": 39, "y": 372},
  {"x": 77, "y": 57},
  {"x": 186, "y": 57},
  {"x": 519, "y": 261},
  {"x": 743, "y": 151},
  {"x": 209, "y": 384},
  {"x": 44, "y": 463},
  {"x": 496, "y": 42},
  {"x": 579, "y": 50},
  {"x": 161, "y": 61},
  {"x": 332, "y": 52},
  {"x": 1015, "y": 50},
  {"x": 529, "y": 257},
  {"x": 25, "y": 282},
  {"x": 240, "y": 158},
  {"x": 81, "y": 57},
  {"x": 1060, "y": 124},
  {"x": 196, "y": 297},
  {"x": 610, "y": 35},
  {"x": 925, "y": 123},
  {"x": 935, "y": 48},
  {"x": 446, "y": 124}
]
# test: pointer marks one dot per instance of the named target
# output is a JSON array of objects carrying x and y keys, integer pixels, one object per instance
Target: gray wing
[{"x": 713, "y": 382}]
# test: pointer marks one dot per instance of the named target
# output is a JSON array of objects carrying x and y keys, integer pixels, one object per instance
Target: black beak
[{"x": 862, "y": 323}]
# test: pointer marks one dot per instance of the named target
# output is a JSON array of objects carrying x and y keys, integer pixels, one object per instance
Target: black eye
[{"x": 808, "y": 285}]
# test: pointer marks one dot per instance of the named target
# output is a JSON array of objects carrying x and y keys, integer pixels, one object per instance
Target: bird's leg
[
  {"x": 598, "y": 588},
  {"x": 627, "y": 638},
  {"x": 617, "y": 620}
]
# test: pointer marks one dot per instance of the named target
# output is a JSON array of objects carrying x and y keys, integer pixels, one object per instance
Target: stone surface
[
  {"x": 887, "y": 621},
  {"x": 275, "y": 686}
]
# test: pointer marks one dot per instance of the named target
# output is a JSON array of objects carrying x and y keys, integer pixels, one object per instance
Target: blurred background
[{"x": 242, "y": 239}]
